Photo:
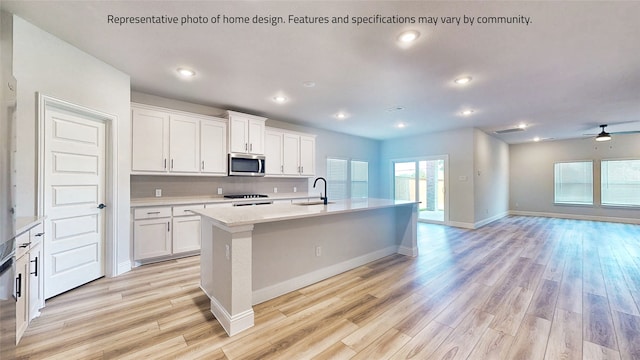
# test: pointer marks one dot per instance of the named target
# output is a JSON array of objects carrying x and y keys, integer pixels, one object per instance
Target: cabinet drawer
[
  {"x": 185, "y": 210},
  {"x": 23, "y": 243},
  {"x": 151, "y": 212},
  {"x": 36, "y": 234}
]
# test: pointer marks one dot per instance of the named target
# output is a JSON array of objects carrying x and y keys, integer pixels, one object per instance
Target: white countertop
[
  {"x": 247, "y": 215},
  {"x": 186, "y": 200}
]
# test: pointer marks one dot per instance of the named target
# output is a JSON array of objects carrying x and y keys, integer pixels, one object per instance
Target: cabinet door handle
[
  {"x": 36, "y": 266},
  {"x": 250, "y": 147},
  {"x": 202, "y": 165},
  {"x": 165, "y": 164},
  {"x": 19, "y": 286},
  {"x": 281, "y": 168},
  {"x": 39, "y": 234},
  {"x": 301, "y": 169},
  {"x": 171, "y": 164},
  {"x": 246, "y": 146},
  {"x": 25, "y": 245},
  {"x": 168, "y": 227},
  {"x": 153, "y": 212}
]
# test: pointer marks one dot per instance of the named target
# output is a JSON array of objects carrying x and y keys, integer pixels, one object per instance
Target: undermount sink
[{"x": 312, "y": 203}]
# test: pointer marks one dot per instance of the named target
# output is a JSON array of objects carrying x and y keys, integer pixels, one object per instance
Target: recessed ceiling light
[
  {"x": 408, "y": 36},
  {"x": 467, "y": 112},
  {"x": 522, "y": 126},
  {"x": 536, "y": 139},
  {"x": 309, "y": 84},
  {"x": 280, "y": 99},
  {"x": 187, "y": 73},
  {"x": 462, "y": 80},
  {"x": 341, "y": 115},
  {"x": 401, "y": 125}
]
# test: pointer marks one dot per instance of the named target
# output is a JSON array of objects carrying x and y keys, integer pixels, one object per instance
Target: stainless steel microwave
[{"x": 246, "y": 165}]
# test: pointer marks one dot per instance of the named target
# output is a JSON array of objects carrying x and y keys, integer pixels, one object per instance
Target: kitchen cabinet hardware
[
  {"x": 25, "y": 245},
  {"x": 19, "y": 286},
  {"x": 153, "y": 212},
  {"x": 102, "y": 206},
  {"x": 35, "y": 261},
  {"x": 39, "y": 234}
]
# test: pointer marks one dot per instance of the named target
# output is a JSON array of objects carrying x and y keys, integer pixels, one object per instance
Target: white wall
[
  {"x": 531, "y": 175},
  {"x": 459, "y": 146},
  {"x": 47, "y": 65},
  {"x": 491, "y": 178}
]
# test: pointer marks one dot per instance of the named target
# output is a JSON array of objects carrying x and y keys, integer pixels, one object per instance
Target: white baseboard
[
  {"x": 459, "y": 224},
  {"x": 407, "y": 251},
  {"x": 123, "y": 267},
  {"x": 232, "y": 324},
  {"x": 576, "y": 217},
  {"x": 273, "y": 291},
  {"x": 484, "y": 222}
]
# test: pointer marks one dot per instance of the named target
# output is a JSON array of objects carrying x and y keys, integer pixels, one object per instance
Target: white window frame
[
  {"x": 555, "y": 186},
  {"x": 603, "y": 183},
  {"x": 348, "y": 183}
]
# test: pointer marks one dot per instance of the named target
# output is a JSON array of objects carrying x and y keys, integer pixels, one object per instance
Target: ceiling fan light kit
[{"x": 603, "y": 135}]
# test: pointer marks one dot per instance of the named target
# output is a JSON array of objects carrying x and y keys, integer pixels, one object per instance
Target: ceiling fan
[{"x": 603, "y": 135}]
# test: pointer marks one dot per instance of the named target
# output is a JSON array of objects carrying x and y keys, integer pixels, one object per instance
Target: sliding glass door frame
[{"x": 417, "y": 160}]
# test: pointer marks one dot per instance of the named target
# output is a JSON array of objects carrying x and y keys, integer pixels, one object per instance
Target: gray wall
[
  {"x": 458, "y": 145},
  {"x": 45, "y": 64},
  {"x": 491, "y": 177},
  {"x": 531, "y": 175}
]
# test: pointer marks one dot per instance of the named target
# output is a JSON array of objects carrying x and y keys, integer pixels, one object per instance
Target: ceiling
[{"x": 574, "y": 66}]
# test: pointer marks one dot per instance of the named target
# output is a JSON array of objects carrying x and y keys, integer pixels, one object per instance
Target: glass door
[{"x": 423, "y": 180}]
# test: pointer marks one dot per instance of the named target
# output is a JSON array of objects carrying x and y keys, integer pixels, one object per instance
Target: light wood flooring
[{"x": 519, "y": 288}]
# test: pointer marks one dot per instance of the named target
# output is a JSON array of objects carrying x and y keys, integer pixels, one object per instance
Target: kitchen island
[{"x": 252, "y": 254}]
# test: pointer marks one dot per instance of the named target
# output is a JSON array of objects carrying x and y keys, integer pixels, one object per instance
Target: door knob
[{"x": 102, "y": 206}]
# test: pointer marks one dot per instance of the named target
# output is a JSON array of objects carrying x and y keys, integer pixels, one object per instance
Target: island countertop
[{"x": 248, "y": 215}]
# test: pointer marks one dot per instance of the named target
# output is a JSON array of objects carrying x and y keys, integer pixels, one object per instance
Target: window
[
  {"x": 620, "y": 182},
  {"x": 573, "y": 183},
  {"x": 347, "y": 179},
  {"x": 359, "y": 179},
  {"x": 336, "y": 178}
]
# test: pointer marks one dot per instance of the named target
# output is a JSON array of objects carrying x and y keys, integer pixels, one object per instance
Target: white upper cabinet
[
  {"x": 172, "y": 142},
  {"x": 150, "y": 140},
  {"x": 307, "y": 155},
  {"x": 184, "y": 144},
  {"x": 213, "y": 147},
  {"x": 246, "y": 133},
  {"x": 289, "y": 154},
  {"x": 273, "y": 152}
]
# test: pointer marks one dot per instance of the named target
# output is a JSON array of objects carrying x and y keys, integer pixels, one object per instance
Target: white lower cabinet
[
  {"x": 186, "y": 234},
  {"x": 152, "y": 238},
  {"x": 36, "y": 285},
  {"x": 165, "y": 231},
  {"x": 22, "y": 301}
]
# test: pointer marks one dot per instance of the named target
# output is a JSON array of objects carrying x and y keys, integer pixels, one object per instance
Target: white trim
[
  {"x": 484, "y": 222},
  {"x": 232, "y": 324},
  {"x": 111, "y": 266},
  {"x": 124, "y": 267},
  {"x": 407, "y": 251},
  {"x": 459, "y": 224},
  {"x": 273, "y": 291},
  {"x": 576, "y": 217}
]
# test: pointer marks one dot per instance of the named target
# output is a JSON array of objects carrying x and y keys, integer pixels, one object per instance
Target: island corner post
[{"x": 249, "y": 256}]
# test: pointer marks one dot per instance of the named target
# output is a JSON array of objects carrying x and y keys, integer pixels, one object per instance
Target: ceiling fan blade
[{"x": 625, "y": 132}]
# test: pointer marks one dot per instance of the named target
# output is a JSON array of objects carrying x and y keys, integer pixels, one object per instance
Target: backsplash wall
[{"x": 144, "y": 186}]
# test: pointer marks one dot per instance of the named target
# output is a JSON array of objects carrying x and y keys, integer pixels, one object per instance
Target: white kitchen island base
[{"x": 253, "y": 254}]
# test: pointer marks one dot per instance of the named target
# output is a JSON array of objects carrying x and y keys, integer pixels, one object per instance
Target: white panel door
[
  {"x": 184, "y": 144},
  {"x": 213, "y": 147},
  {"x": 291, "y": 154},
  {"x": 74, "y": 186}
]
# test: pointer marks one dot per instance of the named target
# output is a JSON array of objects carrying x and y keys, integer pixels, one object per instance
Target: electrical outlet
[
  {"x": 219, "y": 191},
  {"x": 275, "y": 190},
  {"x": 318, "y": 250},
  {"x": 295, "y": 189},
  {"x": 158, "y": 192}
]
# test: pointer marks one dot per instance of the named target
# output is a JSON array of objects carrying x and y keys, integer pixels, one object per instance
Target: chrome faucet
[{"x": 325, "y": 198}]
